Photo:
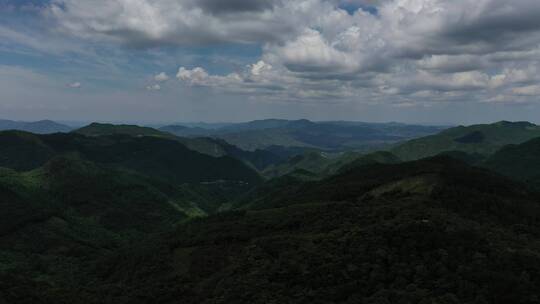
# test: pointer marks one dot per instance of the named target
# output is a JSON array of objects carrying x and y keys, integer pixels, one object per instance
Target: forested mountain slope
[
  {"x": 111, "y": 219},
  {"x": 154, "y": 156},
  {"x": 521, "y": 162},
  {"x": 477, "y": 139},
  {"x": 430, "y": 231}
]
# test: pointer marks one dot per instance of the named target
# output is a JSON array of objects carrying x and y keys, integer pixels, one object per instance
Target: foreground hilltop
[{"x": 434, "y": 230}]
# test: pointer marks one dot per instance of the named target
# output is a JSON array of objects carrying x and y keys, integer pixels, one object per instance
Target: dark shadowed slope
[
  {"x": 314, "y": 162},
  {"x": 433, "y": 231},
  {"x": 23, "y": 151},
  {"x": 521, "y": 162},
  {"x": 259, "y": 159},
  {"x": 99, "y": 129},
  {"x": 154, "y": 156},
  {"x": 201, "y": 145},
  {"x": 210, "y": 146},
  {"x": 56, "y": 219}
]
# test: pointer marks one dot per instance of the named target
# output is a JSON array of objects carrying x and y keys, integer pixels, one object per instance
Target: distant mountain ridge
[
  {"x": 333, "y": 135},
  {"x": 38, "y": 127},
  {"x": 103, "y": 129}
]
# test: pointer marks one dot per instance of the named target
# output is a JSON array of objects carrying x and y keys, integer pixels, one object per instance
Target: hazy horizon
[{"x": 79, "y": 123}]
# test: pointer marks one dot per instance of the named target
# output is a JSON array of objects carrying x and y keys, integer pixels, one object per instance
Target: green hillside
[
  {"x": 521, "y": 162},
  {"x": 259, "y": 159},
  {"x": 58, "y": 218},
  {"x": 23, "y": 151},
  {"x": 349, "y": 163},
  {"x": 324, "y": 164},
  {"x": 476, "y": 139},
  {"x": 201, "y": 145},
  {"x": 314, "y": 162},
  {"x": 432, "y": 231},
  {"x": 157, "y": 157}
]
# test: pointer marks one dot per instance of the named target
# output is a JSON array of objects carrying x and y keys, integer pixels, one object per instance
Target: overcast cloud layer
[{"x": 402, "y": 53}]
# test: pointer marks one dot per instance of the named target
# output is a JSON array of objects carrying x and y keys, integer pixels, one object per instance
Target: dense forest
[{"x": 123, "y": 214}]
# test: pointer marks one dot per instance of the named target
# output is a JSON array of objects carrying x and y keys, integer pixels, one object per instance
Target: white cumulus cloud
[
  {"x": 154, "y": 87},
  {"x": 411, "y": 50},
  {"x": 161, "y": 77},
  {"x": 74, "y": 85}
]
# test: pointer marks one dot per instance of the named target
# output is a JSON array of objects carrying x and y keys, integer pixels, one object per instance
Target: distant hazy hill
[
  {"x": 477, "y": 139},
  {"x": 38, "y": 127},
  {"x": 100, "y": 129},
  {"x": 186, "y": 131},
  {"x": 337, "y": 135},
  {"x": 151, "y": 155}
]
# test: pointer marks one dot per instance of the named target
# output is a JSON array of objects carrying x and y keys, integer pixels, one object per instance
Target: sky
[{"x": 414, "y": 61}]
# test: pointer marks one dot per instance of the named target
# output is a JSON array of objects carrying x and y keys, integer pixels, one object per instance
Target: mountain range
[
  {"x": 129, "y": 214},
  {"x": 334, "y": 135}
]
